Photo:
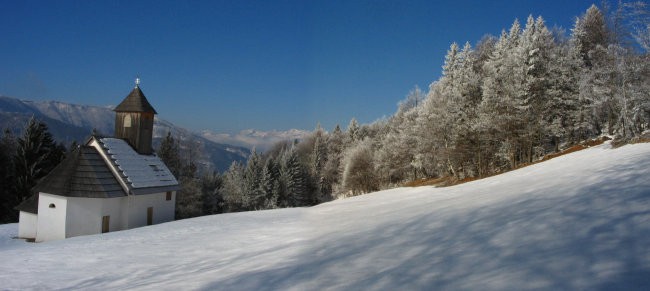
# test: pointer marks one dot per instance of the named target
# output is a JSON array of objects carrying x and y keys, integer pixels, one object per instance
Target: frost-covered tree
[
  {"x": 395, "y": 156},
  {"x": 597, "y": 90},
  {"x": 333, "y": 169},
  {"x": 255, "y": 196},
  {"x": 353, "y": 132},
  {"x": 318, "y": 160},
  {"x": 535, "y": 47},
  {"x": 590, "y": 37},
  {"x": 629, "y": 84},
  {"x": 359, "y": 173},
  {"x": 414, "y": 99},
  {"x": 294, "y": 177},
  {"x": 589, "y": 31},
  {"x": 270, "y": 183},
  {"x": 233, "y": 188},
  {"x": 463, "y": 95},
  {"x": 482, "y": 52},
  {"x": 562, "y": 117},
  {"x": 503, "y": 87},
  {"x": 427, "y": 130}
]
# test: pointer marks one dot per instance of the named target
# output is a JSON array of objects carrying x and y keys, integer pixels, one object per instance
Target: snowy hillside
[{"x": 580, "y": 221}]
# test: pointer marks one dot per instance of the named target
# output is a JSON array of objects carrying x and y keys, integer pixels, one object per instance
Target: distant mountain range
[
  {"x": 251, "y": 138},
  {"x": 71, "y": 122}
]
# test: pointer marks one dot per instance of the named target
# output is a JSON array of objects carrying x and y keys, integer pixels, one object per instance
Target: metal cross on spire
[{"x": 137, "y": 82}]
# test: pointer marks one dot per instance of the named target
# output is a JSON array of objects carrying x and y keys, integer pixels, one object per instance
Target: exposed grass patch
[
  {"x": 428, "y": 182},
  {"x": 450, "y": 181},
  {"x": 643, "y": 138}
]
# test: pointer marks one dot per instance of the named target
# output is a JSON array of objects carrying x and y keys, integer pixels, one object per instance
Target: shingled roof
[
  {"x": 29, "y": 205},
  {"x": 135, "y": 102},
  {"x": 83, "y": 173}
]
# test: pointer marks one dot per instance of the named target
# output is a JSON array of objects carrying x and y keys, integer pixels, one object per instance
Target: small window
[
  {"x": 127, "y": 121},
  {"x": 52, "y": 205},
  {"x": 168, "y": 196}
]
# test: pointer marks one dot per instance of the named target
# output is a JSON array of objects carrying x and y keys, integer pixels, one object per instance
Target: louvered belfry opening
[{"x": 134, "y": 119}]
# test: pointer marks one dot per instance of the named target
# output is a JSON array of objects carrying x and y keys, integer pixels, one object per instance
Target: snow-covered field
[{"x": 580, "y": 221}]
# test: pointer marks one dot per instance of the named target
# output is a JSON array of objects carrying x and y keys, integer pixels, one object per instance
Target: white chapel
[{"x": 106, "y": 184}]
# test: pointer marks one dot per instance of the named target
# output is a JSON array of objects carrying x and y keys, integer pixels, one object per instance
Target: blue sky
[{"x": 232, "y": 65}]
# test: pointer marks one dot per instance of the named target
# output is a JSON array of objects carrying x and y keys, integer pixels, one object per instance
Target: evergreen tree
[
  {"x": 428, "y": 128},
  {"x": 190, "y": 150},
  {"x": 395, "y": 155},
  {"x": 319, "y": 152},
  {"x": 270, "y": 183},
  {"x": 8, "y": 198},
  {"x": 353, "y": 131},
  {"x": 332, "y": 170},
  {"x": 463, "y": 95},
  {"x": 318, "y": 159},
  {"x": 295, "y": 180},
  {"x": 590, "y": 36},
  {"x": 211, "y": 185},
  {"x": 562, "y": 113},
  {"x": 501, "y": 107},
  {"x": 535, "y": 47},
  {"x": 189, "y": 199},
  {"x": 590, "y": 31},
  {"x": 629, "y": 84},
  {"x": 253, "y": 188},
  {"x": 412, "y": 100},
  {"x": 36, "y": 155},
  {"x": 169, "y": 154},
  {"x": 233, "y": 188}
]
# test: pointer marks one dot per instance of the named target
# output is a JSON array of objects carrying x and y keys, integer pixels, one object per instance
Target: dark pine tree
[
  {"x": 169, "y": 154},
  {"x": 7, "y": 198},
  {"x": 36, "y": 155}
]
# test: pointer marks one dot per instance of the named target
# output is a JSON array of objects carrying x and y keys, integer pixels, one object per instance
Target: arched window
[{"x": 52, "y": 205}]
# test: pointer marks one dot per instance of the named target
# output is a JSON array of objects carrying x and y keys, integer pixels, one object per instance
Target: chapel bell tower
[{"x": 134, "y": 120}]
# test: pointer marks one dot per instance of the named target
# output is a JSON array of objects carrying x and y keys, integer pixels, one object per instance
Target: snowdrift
[{"x": 580, "y": 221}]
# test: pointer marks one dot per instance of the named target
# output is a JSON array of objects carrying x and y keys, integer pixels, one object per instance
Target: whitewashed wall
[
  {"x": 27, "y": 225},
  {"x": 51, "y": 221},
  {"x": 75, "y": 216},
  {"x": 163, "y": 210},
  {"x": 85, "y": 215}
]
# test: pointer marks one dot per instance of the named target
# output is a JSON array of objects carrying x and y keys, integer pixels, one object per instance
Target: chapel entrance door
[
  {"x": 106, "y": 223},
  {"x": 150, "y": 216}
]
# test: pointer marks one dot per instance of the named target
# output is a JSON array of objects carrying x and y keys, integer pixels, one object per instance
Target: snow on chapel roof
[{"x": 142, "y": 173}]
